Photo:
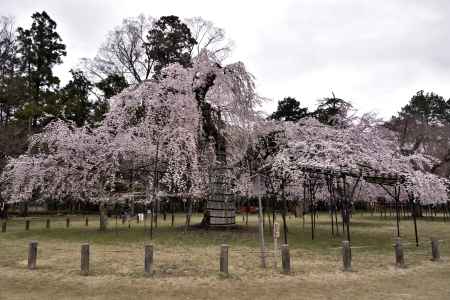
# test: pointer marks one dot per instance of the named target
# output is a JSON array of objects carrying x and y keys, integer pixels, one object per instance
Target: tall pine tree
[{"x": 40, "y": 48}]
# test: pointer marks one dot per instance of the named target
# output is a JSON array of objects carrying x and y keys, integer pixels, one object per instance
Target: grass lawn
[{"x": 186, "y": 264}]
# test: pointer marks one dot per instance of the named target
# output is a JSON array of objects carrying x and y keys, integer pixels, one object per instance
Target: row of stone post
[
  {"x": 400, "y": 256},
  {"x": 398, "y": 250},
  {"x": 285, "y": 259},
  {"x": 47, "y": 223},
  {"x": 85, "y": 258},
  {"x": 224, "y": 254},
  {"x": 148, "y": 259}
]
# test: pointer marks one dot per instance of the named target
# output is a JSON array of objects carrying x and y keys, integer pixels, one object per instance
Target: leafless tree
[
  {"x": 209, "y": 37},
  {"x": 7, "y": 44},
  {"x": 7, "y": 66},
  {"x": 124, "y": 51}
]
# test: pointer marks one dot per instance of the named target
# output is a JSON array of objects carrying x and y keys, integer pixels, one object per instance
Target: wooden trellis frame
[{"x": 366, "y": 173}]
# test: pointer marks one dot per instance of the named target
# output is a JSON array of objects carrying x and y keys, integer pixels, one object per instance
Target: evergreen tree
[
  {"x": 109, "y": 87},
  {"x": 333, "y": 111},
  {"x": 169, "y": 41},
  {"x": 75, "y": 102},
  {"x": 427, "y": 107},
  {"x": 289, "y": 110},
  {"x": 112, "y": 85},
  {"x": 424, "y": 126},
  {"x": 40, "y": 48}
]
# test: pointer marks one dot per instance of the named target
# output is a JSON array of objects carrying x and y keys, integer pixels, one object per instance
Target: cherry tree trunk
[{"x": 220, "y": 206}]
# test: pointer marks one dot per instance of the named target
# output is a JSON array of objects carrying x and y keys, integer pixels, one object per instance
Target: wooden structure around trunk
[{"x": 221, "y": 204}]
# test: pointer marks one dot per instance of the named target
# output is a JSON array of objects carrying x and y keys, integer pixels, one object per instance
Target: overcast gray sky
[{"x": 376, "y": 54}]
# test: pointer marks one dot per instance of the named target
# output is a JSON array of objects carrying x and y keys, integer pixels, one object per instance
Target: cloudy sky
[{"x": 376, "y": 54}]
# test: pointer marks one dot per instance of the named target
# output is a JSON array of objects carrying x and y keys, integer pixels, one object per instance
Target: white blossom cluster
[
  {"x": 155, "y": 129},
  {"x": 152, "y": 128},
  {"x": 359, "y": 148}
]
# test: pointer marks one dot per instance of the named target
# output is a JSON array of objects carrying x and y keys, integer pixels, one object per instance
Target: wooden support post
[
  {"x": 247, "y": 209},
  {"x": 397, "y": 213},
  {"x": 157, "y": 211},
  {"x": 285, "y": 259},
  {"x": 332, "y": 221},
  {"x": 268, "y": 215},
  {"x": 414, "y": 213},
  {"x": 67, "y": 222},
  {"x": 311, "y": 212},
  {"x": 86, "y": 221},
  {"x": 32, "y": 255},
  {"x": 188, "y": 215},
  {"x": 164, "y": 211},
  {"x": 276, "y": 236},
  {"x": 4, "y": 226},
  {"x": 115, "y": 228},
  {"x": 261, "y": 233},
  {"x": 346, "y": 211},
  {"x": 151, "y": 223},
  {"x": 47, "y": 224},
  {"x": 447, "y": 210},
  {"x": 347, "y": 256},
  {"x": 336, "y": 218},
  {"x": 399, "y": 255},
  {"x": 173, "y": 211},
  {"x": 27, "y": 225},
  {"x": 303, "y": 214},
  {"x": 285, "y": 229},
  {"x": 435, "y": 253},
  {"x": 148, "y": 260},
  {"x": 224, "y": 259},
  {"x": 85, "y": 259},
  {"x": 145, "y": 223}
]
